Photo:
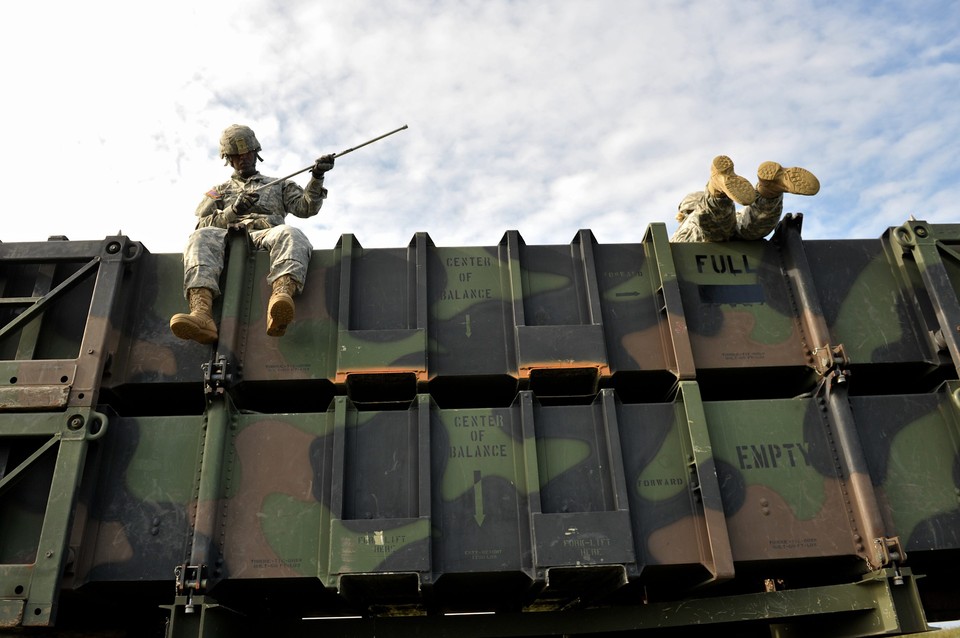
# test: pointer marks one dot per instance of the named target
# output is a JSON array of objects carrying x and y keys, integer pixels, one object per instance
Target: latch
[
  {"x": 190, "y": 580},
  {"x": 217, "y": 375},
  {"x": 828, "y": 357},
  {"x": 890, "y": 551}
]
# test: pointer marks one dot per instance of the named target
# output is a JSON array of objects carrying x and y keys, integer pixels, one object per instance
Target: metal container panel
[{"x": 739, "y": 309}]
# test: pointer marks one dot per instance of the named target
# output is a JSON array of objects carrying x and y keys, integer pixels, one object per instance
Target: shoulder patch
[{"x": 213, "y": 193}]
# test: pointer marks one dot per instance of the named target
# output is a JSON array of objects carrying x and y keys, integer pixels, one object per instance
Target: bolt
[
  {"x": 49, "y": 553},
  {"x": 921, "y": 231},
  {"x": 75, "y": 422}
]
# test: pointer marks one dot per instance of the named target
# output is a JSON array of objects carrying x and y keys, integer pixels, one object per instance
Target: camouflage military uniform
[
  {"x": 289, "y": 247},
  {"x": 714, "y": 219}
]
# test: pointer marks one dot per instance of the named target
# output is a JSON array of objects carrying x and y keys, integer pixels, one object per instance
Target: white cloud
[{"x": 545, "y": 117}]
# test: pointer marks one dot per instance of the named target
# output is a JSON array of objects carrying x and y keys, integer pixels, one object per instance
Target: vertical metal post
[
  {"x": 871, "y": 539},
  {"x": 215, "y": 439},
  {"x": 715, "y": 549},
  {"x": 673, "y": 324},
  {"x": 921, "y": 241},
  {"x": 221, "y": 374}
]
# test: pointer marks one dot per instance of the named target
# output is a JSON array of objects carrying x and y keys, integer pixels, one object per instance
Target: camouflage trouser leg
[
  {"x": 290, "y": 252},
  {"x": 203, "y": 259},
  {"x": 712, "y": 219},
  {"x": 757, "y": 220}
]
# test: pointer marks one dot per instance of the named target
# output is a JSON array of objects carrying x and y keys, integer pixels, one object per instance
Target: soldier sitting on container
[
  {"x": 711, "y": 215},
  {"x": 262, "y": 215}
]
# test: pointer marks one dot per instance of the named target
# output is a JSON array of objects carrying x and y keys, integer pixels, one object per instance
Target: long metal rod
[{"x": 340, "y": 154}]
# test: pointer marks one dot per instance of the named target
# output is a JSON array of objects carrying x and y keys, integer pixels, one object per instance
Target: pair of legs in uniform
[{"x": 710, "y": 215}]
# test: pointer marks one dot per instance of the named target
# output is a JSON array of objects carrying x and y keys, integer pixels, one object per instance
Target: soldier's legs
[
  {"x": 289, "y": 249},
  {"x": 202, "y": 263},
  {"x": 203, "y": 259},
  {"x": 773, "y": 180},
  {"x": 706, "y": 218},
  {"x": 757, "y": 220},
  {"x": 290, "y": 252}
]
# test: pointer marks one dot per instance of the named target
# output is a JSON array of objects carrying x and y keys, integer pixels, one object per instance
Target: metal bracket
[
  {"x": 190, "y": 580},
  {"x": 217, "y": 375},
  {"x": 890, "y": 551},
  {"x": 827, "y": 358}
]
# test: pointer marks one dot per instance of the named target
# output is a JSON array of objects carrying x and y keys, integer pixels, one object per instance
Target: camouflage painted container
[
  {"x": 645, "y": 333},
  {"x": 540, "y": 503},
  {"x": 928, "y": 267},
  {"x": 481, "y": 520},
  {"x": 151, "y": 371},
  {"x": 300, "y": 367},
  {"x": 379, "y": 543},
  {"x": 467, "y": 322},
  {"x": 578, "y": 501},
  {"x": 675, "y": 501},
  {"x": 483, "y": 428},
  {"x": 382, "y": 313},
  {"x": 912, "y": 443},
  {"x": 556, "y": 316},
  {"x": 879, "y": 326},
  {"x": 745, "y": 330},
  {"x": 785, "y": 491},
  {"x": 138, "y": 519}
]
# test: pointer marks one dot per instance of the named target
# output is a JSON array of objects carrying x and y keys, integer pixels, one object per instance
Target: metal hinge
[{"x": 217, "y": 375}]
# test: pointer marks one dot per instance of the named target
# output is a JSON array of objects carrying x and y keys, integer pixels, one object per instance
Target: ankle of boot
[
  {"x": 714, "y": 191},
  {"x": 769, "y": 190}
]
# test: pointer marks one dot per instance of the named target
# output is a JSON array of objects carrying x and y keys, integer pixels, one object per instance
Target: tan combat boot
[
  {"x": 199, "y": 324},
  {"x": 775, "y": 180},
  {"x": 280, "y": 309},
  {"x": 723, "y": 181}
]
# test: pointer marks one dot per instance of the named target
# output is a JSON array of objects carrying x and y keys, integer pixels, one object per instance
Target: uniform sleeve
[
  {"x": 210, "y": 211},
  {"x": 302, "y": 202}
]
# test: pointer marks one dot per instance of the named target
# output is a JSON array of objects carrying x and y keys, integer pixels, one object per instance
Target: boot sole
[
  {"x": 737, "y": 188},
  {"x": 280, "y": 315},
  {"x": 192, "y": 332},
  {"x": 794, "y": 180}
]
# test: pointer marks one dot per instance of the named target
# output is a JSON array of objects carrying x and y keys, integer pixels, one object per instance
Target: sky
[{"x": 544, "y": 117}]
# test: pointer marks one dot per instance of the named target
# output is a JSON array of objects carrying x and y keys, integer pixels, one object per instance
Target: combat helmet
[
  {"x": 238, "y": 139},
  {"x": 688, "y": 205}
]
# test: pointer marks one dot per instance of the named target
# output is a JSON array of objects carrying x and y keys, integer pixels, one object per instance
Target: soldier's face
[{"x": 245, "y": 163}]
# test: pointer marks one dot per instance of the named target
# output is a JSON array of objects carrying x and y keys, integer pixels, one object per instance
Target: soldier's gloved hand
[
  {"x": 245, "y": 202},
  {"x": 240, "y": 207},
  {"x": 321, "y": 166}
]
